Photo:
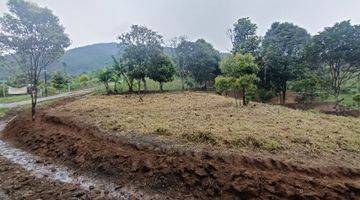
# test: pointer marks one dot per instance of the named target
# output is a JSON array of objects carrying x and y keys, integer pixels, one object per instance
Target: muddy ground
[
  {"x": 17, "y": 183},
  {"x": 166, "y": 172}
]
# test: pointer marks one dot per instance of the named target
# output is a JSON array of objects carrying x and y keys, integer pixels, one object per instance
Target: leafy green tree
[
  {"x": 141, "y": 44},
  {"x": 105, "y": 76},
  {"x": 59, "y": 80},
  {"x": 308, "y": 85},
  {"x": 356, "y": 98},
  {"x": 178, "y": 59},
  {"x": 337, "y": 50},
  {"x": 83, "y": 78},
  {"x": 162, "y": 70},
  {"x": 34, "y": 37},
  {"x": 281, "y": 51},
  {"x": 244, "y": 38},
  {"x": 240, "y": 75},
  {"x": 200, "y": 59}
]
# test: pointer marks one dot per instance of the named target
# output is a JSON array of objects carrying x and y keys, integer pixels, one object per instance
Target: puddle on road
[{"x": 58, "y": 173}]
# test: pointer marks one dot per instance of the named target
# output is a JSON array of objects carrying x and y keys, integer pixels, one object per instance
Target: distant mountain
[{"x": 87, "y": 59}]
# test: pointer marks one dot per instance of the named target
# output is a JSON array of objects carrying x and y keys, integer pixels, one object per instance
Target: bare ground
[{"x": 16, "y": 183}]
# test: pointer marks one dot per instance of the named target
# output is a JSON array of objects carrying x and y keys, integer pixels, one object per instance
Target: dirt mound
[{"x": 178, "y": 173}]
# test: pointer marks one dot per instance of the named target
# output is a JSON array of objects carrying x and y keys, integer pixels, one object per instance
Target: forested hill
[{"x": 87, "y": 58}]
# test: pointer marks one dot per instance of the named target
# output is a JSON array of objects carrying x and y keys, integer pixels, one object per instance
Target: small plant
[
  {"x": 162, "y": 131},
  {"x": 201, "y": 137},
  {"x": 271, "y": 145}
]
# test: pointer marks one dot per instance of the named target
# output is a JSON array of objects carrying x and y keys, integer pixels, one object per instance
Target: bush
[
  {"x": 356, "y": 98},
  {"x": 201, "y": 137},
  {"x": 222, "y": 84}
]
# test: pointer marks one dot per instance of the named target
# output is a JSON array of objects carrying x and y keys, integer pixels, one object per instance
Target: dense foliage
[{"x": 239, "y": 76}]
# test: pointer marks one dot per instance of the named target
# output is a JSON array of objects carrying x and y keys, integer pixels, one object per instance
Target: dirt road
[{"x": 68, "y": 94}]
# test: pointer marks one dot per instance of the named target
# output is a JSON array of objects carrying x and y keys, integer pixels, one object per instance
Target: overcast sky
[{"x": 94, "y": 21}]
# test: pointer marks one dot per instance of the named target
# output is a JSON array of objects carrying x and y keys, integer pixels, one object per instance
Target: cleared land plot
[{"x": 206, "y": 118}]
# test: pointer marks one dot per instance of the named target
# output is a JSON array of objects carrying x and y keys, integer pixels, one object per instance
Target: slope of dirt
[{"x": 177, "y": 172}]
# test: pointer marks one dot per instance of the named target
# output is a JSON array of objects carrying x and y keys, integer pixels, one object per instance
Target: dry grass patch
[{"x": 213, "y": 119}]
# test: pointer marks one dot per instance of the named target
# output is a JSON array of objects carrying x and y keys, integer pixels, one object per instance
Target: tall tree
[
  {"x": 337, "y": 49},
  {"x": 179, "y": 63},
  {"x": 141, "y": 44},
  {"x": 200, "y": 59},
  {"x": 243, "y": 37},
  {"x": 34, "y": 37},
  {"x": 162, "y": 70},
  {"x": 281, "y": 50}
]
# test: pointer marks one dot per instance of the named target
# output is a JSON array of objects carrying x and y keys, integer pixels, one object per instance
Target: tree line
[{"x": 287, "y": 56}]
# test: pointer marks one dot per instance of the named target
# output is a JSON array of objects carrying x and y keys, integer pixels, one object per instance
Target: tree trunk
[
  {"x": 283, "y": 97},
  {"x": 145, "y": 86},
  {"x": 107, "y": 88},
  {"x": 130, "y": 85},
  {"x": 235, "y": 97},
  {"x": 182, "y": 83},
  {"x": 33, "y": 103},
  {"x": 337, "y": 103},
  {"x": 115, "y": 88},
  {"x": 161, "y": 86},
  {"x": 244, "y": 96},
  {"x": 139, "y": 86}
]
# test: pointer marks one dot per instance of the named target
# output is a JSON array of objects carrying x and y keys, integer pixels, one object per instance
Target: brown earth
[
  {"x": 325, "y": 107},
  {"x": 16, "y": 183},
  {"x": 177, "y": 173}
]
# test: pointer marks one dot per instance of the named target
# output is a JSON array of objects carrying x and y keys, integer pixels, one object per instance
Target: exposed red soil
[
  {"x": 178, "y": 173},
  {"x": 16, "y": 183}
]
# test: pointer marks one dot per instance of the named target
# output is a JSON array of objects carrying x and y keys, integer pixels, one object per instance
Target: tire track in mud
[{"x": 178, "y": 172}]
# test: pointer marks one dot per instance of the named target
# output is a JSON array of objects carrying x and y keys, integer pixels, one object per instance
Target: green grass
[
  {"x": 3, "y": 111},
  {"x": 17, "y": 98},
  {"x": 152, "y": 85}
]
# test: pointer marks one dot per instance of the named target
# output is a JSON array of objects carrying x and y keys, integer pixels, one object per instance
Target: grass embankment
[
  {"x": 213, "y": 119},
  {"x": 12, "y": 99}
]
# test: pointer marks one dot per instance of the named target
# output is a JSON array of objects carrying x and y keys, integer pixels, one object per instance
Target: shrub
[
  {"x": 201, "y": 137},
  {"x": 222, "y": 84}
]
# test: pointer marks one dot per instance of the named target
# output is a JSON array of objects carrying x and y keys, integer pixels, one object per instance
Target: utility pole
[{"x": 45, "y": 78}]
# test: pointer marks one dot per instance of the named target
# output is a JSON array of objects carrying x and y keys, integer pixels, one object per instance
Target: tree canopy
[
  {"x": 200, "y": 59},
  {"x": 34, "y": 37},
  {"x": 336, "y": 50},
  {"x": 281, "y": 51},
  {"x": 239, "y": 75},
  {"x": 141, "y": 44},
  {"x": 244, "y": 38}
]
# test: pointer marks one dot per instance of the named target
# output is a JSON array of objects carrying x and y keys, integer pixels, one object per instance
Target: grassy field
[
  {"x": 17, "y": 98},
  {"x": 211, "y": 119}
]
